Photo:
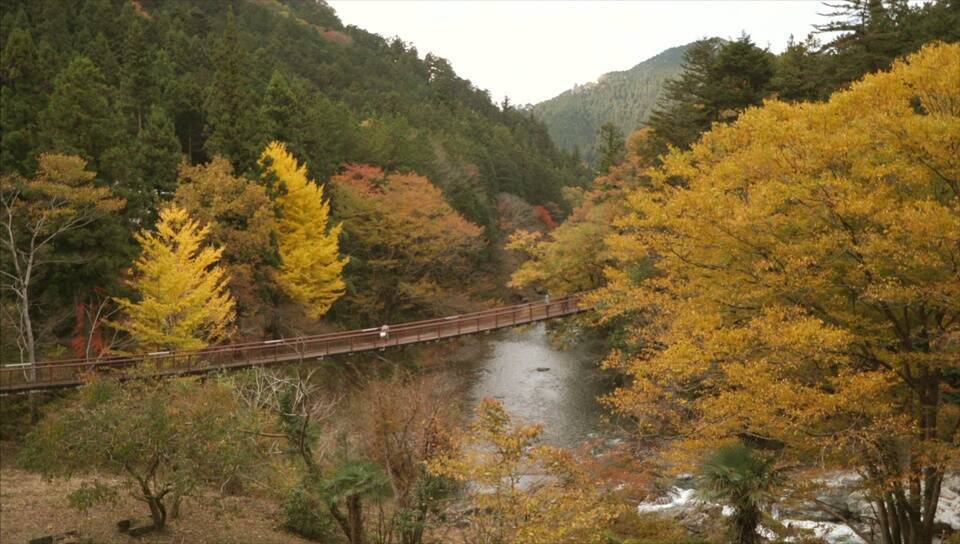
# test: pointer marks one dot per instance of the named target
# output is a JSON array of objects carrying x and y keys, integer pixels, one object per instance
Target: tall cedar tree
[
  {"x": 231, "y": 107},
  {"x": 610, "y": 146},
  {"x": 311, "y": 270},
  {"x": 157, "y": 158},
  {"x": 81, "y": 119},
  {"x": 183, "y": 301},
  {"x": 21, "y": 98},
  {"x": 719, "y": 80}
]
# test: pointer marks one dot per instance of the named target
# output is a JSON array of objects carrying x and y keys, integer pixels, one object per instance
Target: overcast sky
[{"x": 534, "y": 50}]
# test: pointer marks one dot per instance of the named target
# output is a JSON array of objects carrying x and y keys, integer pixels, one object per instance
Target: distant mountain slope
[{"x": 626, "y": 98}]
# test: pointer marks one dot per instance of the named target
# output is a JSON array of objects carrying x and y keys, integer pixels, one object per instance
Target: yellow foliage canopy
[
  {"x": 525, "y": 492},
  {"x": 311, "y": 270},
  {"x": 572, "y": 257},
  {"x": 183, "y": 302},
  {"x": 808, "y": 282}
]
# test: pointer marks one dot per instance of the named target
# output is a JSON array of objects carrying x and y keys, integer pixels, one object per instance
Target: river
[{"x": 538, "y": 382}]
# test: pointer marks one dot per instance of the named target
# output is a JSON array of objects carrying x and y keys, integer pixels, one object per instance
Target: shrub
[
  {"x": 163, "y": 438},
  {"x": 304, "y": 515}
]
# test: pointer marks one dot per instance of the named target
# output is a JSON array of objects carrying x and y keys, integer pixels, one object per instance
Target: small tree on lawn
[{"x": 161, "y": 438}]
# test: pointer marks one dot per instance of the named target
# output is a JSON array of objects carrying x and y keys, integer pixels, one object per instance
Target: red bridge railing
[{"x": 67, "y": 373}]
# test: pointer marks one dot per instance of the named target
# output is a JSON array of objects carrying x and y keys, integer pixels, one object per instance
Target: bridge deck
[{"x": 68, "y": 373}]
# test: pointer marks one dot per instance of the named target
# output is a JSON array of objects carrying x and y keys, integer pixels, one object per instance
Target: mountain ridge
[{"x": 625, "y": 97}]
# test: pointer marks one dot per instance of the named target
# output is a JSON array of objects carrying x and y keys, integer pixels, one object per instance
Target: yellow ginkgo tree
[
  {"x": 183, "y": 298},
  {"x": 311, "y": 270},
  {"x": 807, "y": 289}
]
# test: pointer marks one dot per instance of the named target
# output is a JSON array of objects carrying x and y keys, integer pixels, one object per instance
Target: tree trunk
[
  {"x": 745, "y": 522},
  {"x": 30, "y": 349},
  {"x": 342, "y": 520},
  {"x": 175, "y": 507},
  {"x": 355, "y": 518},
  {"x": 158, "y": 512},
  {"x": 899, "y": 524},
  {"x": 29, "y": 344}
]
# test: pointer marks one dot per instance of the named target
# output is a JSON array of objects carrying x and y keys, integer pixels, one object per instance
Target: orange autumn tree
[
  {"x": 241, "y": 220},
  {"x": 572, "y": 256},
  {"x": 807, "y": 289},
  {"x": 409, "y": 249}
]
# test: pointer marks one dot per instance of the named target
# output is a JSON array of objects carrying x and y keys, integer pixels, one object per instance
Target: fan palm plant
[{"x": 743, "y": 479}]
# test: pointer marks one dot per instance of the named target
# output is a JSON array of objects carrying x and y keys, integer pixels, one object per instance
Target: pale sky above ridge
[{"x": 533, "y": 50}]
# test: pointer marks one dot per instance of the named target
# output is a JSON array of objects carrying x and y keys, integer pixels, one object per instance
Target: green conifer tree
[
  {"x": 79, "y": 118},
  {"x": 611, "y": 147},
  {"x": 21, "y": 100},
  {"x": 232, "y": 123},
  {"x": 158, "y": 158}
]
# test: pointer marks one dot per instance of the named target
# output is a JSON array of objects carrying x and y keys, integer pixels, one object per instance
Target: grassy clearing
[{"x": 31, "y": 507}]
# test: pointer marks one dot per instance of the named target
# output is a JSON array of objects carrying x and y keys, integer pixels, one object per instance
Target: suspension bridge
[{"x": 25, "y": 377}]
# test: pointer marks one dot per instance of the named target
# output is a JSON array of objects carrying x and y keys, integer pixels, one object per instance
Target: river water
[{"x": 538, "y": 382}]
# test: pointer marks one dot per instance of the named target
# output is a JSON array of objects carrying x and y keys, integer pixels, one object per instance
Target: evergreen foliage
[
  {"x": 743, "y": 479},
  {"x": 610, "y": 146},
  {"x": 35, "y": 215},
  {"x": 231, "y": 80},
  {"x": 719, "y": 80}
]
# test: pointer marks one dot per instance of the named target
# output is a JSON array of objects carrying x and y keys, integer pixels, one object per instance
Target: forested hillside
[
  {"x": 624, "y": 98},
  {"x": 160, "y": 98},
  {"x": 205, "y": 78}
]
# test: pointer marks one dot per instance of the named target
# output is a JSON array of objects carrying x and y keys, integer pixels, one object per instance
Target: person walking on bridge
[{"x": 384, "y": 335}]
